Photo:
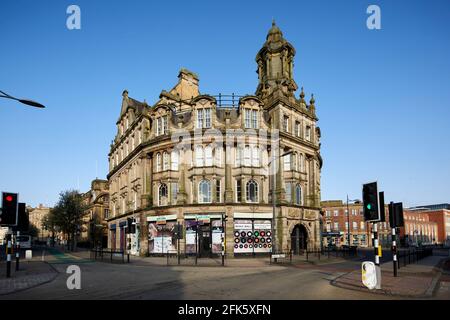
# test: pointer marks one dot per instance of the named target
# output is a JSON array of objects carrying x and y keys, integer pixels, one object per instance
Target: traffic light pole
[
  {"x": 8, "y": 257},
  {"x": 17, "y": 251},
  {"x": 375, "y": 243}
]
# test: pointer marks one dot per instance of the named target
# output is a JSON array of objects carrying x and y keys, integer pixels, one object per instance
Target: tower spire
[{"x": 275, "y": 64}]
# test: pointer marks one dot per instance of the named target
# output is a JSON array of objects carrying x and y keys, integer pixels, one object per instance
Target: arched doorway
[{"x": 299, "y": 239}]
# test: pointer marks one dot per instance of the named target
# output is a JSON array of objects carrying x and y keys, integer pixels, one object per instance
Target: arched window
[
  {"x": 208, "y": 156},
  {"x": 174, "y": 159},
  {"x": 199, "y": 156},
  {"x": 158, "y": 162},
  {"x": 165, "y": 161},
  {"x": 204, "y": 191},
  {"x": 162, "y": 195},
  {"x": 298, "y": 195},
  {"x": 252, "y": 191}
]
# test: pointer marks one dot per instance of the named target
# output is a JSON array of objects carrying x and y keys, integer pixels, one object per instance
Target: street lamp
[
  {"x": 274, "y": 242},
  {"x": 348, "y": 218},
  {"x": 24, "y": 101}
]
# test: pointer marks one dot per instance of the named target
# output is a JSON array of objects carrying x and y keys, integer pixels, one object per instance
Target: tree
[
  {"x": 33, "y": 231},
  {"x": 49, "y": 224},
  {"x": 67, "y": 215}
]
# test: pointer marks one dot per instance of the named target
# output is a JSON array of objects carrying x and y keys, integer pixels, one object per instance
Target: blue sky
[{"x": 382, "y": 96}]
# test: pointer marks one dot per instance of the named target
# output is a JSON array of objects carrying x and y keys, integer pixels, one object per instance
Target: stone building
[
  {"x": 94, "y": 229},
  {"x": 208, "y": 163},
  {"x": 36, "y": 216}
]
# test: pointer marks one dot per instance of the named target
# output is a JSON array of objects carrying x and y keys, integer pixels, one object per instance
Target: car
[{"x": 24, "y": 241}]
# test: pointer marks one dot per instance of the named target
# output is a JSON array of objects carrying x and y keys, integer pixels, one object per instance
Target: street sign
[
  {"x": 277, "y": 256},
  {"x": 369, "y": 274}
]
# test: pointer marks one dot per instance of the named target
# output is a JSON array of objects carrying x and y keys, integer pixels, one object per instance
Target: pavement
[{"x": 417, "y": 280}]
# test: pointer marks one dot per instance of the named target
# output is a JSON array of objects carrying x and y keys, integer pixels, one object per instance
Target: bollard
[{"x": 306, "y": 254}]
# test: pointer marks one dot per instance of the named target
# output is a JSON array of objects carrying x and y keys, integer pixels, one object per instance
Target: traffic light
[
  {"x": 370, "y": 201},
  {"x": 23, "y": 221},
  {"x": 131, "y": 225},
  {"x": 396, "y": 214},
  {"x": 8, "y": 216}
]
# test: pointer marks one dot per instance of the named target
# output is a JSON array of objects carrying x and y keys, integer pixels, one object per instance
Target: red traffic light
[{"x": 9, "y": 198}]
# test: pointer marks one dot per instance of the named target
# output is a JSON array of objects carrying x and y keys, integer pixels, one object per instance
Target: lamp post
[
  {"x": 274, "y": 242},
  {"x": 348, "y": 218},
  {"x": 23, "y": 101}
]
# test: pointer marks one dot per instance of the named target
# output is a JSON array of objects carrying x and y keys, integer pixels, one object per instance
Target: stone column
[{"x": 182, "y": 166}]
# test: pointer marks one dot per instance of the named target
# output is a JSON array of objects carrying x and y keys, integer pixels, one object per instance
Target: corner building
[{"x": 206, "y": 162}]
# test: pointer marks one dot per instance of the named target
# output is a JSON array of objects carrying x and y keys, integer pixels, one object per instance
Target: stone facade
[
  {"x": 200, "y": 160},
  {"x": 94, "y": 227},
  {"x": 35, "y": 217}
]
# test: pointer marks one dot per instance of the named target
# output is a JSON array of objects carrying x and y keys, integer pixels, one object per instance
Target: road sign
[{"x": 369, "y": 274}]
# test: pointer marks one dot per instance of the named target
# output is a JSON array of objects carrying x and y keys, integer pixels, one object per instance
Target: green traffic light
[{"x": 369, "y": 206}]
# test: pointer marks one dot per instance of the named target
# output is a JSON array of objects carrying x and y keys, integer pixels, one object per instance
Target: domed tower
[{"x": 275, "y": 65}]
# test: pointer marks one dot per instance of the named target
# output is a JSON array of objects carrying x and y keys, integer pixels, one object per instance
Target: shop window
[{"x": 252, "y": 236}]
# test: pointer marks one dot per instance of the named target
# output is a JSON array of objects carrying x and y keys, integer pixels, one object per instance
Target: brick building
[
  {"x": 419, "y": 229},
  {"x": 335, "y": 220},
  {"x": 439, "y": 214}
]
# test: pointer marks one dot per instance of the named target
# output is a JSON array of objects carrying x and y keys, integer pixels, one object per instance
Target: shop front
[
  {"x": 252, "y": 233},
  {"x": 161, "y": 234},
  {"x": 112, "y": 232},
  {"x": 204, "y": 234}
]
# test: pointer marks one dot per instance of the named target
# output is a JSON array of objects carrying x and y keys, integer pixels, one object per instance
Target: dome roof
[{"x": 275, "y": 33}]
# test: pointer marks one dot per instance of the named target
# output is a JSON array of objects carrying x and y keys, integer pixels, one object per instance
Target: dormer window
[
  {"x": 161, "y": 126},
  {"x": 251, "y": 119},
  {"x": 204, "y": 118}
]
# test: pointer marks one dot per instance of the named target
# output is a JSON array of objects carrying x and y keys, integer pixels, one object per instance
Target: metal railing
[
  {"x": 409, "y": 256},
  {"x": 110, "y": 255},
  {"x": 227, "y": 100}
]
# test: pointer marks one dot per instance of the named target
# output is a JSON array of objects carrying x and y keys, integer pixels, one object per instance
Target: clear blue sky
[{"x": 382, "y": 96}]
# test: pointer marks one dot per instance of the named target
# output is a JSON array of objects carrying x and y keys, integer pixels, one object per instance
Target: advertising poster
[
  {"x": 191, "y": 235},
  {"x": 161, "y": 237},
  {"x": 243, "y": 242},
  {"x": 262, "y": 236},
  {"x": 252, "y": 236}
]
